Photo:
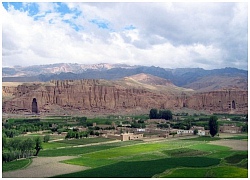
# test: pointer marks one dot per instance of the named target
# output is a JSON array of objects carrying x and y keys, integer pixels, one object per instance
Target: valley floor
[{"x": 42, "y": 167}]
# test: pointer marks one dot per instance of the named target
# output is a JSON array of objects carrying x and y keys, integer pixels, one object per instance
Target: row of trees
[
  {"x": 76, "y": 134},
  {"x": 161, "y": 114},
  {"x": 20, "y": 148},
  {"x": 13, "y": 128}
]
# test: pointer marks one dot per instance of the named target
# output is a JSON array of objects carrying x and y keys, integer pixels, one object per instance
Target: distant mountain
[
  {"x": 195, "y": 78},
  {"x": 79, "y": 71},
  {"x": 185, "y": 76},
  {"x": 216, "y": 82},
  {"x": 58, "y": 68}
]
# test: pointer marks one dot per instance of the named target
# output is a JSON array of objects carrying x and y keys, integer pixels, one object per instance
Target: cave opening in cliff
[
  {"x": 34, "y": 106},
  {"x": 233, "y": 104}
]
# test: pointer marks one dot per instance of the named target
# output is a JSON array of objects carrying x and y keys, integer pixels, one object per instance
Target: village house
[
  {"x": 140, "y": 130},
  {"x": 230, "y": 128},
  {"x": 201, "y": 131},
  {"x": 131, "y": 136},
  {"x": 186, "y": 132},
  {"x": 125, "y": 136}
]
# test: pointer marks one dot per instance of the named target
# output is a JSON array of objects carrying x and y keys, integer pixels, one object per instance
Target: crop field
[
  {"x": 64, "y": 150},
  {"x": 200, "y": 157},
  {"x": 143, "y": 169},
  {"x": 85, "y": 141},
  {"x": 213, "y": 172},
  {"x": 16, "y": 165}
]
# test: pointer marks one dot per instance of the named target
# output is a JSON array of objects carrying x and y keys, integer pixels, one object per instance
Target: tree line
[
  {"x": 20, "y": 148},
  {"x": 161, "y": 114},
  {"x": 13, "y": 128}
]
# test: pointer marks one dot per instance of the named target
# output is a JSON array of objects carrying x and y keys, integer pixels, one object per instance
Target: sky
[{"x": 207, "y": 35}]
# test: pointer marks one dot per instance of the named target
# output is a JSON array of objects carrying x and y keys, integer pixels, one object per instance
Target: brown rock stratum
[{"x": 114, "y": 96}]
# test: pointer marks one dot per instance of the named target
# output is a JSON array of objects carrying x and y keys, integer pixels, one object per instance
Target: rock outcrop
[
  {"x": 225, "y": 100},
  {"x": 107, "y": 96}
]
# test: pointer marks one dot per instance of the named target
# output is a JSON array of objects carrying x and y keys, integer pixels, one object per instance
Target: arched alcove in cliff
[
  {"x": 34, "y": 106},
  {"x": 233, "y": 104}
]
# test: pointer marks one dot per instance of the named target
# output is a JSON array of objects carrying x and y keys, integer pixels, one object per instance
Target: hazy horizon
[
  {"x": 15, "y": 66},
  {"x": 211, "y": 35}
]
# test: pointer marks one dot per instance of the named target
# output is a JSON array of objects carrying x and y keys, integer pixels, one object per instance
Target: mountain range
[{"x": 192, "y": 78}]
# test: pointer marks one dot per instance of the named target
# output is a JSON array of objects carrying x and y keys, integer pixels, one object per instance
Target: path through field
[
  {"x": 42, "y": 167},
  {"x": 234, "y": 144}
]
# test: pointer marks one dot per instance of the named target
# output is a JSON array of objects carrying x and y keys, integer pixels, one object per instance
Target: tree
[
  {"x": 140, "y": 121},
  {"x": 97, "y": 133},
  {"x": 159, "y": 115},
  {"x": 4, "y": 141},
  {"x": 38, "y": 145},
  {"x": 153, "y": 114},
  {"x": 166, "y": 114},
  {"x": 27, "y": 146},
  {"x": 77, "y": 135},
  {"x": 46, "y": 138},
  {"x": 195, "y": 131},
  {"x": 244, "y": 128},
  {"x": 188, "y": 124},
  {"x": 213, "y": 125}
]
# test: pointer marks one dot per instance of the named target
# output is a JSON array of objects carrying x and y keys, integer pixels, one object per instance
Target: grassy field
[
  {"x": 73, "y": 142},
  {"x": 244, "y": 137},
  {"x": 169, "y": 158},
  {"x": 69, "y": 151},
  {"x": 85, "y": 141},
  {"x": 212, "y": 172},
  {"x": 176, "y": 158},
  {"x": 236, "y": 158},
  {"x": 14, "y": 165},
  {"x": 143, "y": 169}
]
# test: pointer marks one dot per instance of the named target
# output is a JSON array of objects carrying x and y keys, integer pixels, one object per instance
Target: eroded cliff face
[
  {"x": 227, "y": 100},
  {"x": 99, "y": 96}
]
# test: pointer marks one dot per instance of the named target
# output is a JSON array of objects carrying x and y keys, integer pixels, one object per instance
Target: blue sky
[{"x": 171, "y": 35}]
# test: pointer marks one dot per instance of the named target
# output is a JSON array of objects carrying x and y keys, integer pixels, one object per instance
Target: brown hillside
[{"x": 150, "y": 79}]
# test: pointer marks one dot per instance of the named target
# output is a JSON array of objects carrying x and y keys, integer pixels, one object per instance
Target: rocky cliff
[{"x": 107, "y": 96}]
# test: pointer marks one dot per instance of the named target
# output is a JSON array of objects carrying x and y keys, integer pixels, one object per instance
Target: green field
[
  {"x": 85, "y": 141},
  {"x": 10, "y": 166},
  {"x": 213, "y": 172},
  {"x": 236, "y": 158},
  {"x": 238, "y": 137},
  {"x": 167, "y": 158},
  {"x": 143, "y": 169}
]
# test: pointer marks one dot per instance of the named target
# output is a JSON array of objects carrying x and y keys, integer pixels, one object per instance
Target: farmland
[
  {"x": 193, "y": 156},
  {"x": 176, "y": 157}
]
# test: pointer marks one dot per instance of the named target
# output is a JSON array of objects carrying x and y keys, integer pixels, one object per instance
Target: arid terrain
[{"x": 137, "y": 93}]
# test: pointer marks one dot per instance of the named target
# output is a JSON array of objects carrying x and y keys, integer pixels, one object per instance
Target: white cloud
[{"x": 212, "y": 35}]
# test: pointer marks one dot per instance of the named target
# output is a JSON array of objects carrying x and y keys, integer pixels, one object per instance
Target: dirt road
[
  {"x": 234, "y": 144},
  {"x": 42, "y": 167}
]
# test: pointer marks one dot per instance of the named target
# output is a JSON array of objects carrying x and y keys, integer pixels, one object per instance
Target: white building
[
  {"x": 140, "y": 130},
  {"x": 201, "y": 133},
  {"x": 189, "y": 132},
  {"x": 181, "y": 131}
]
